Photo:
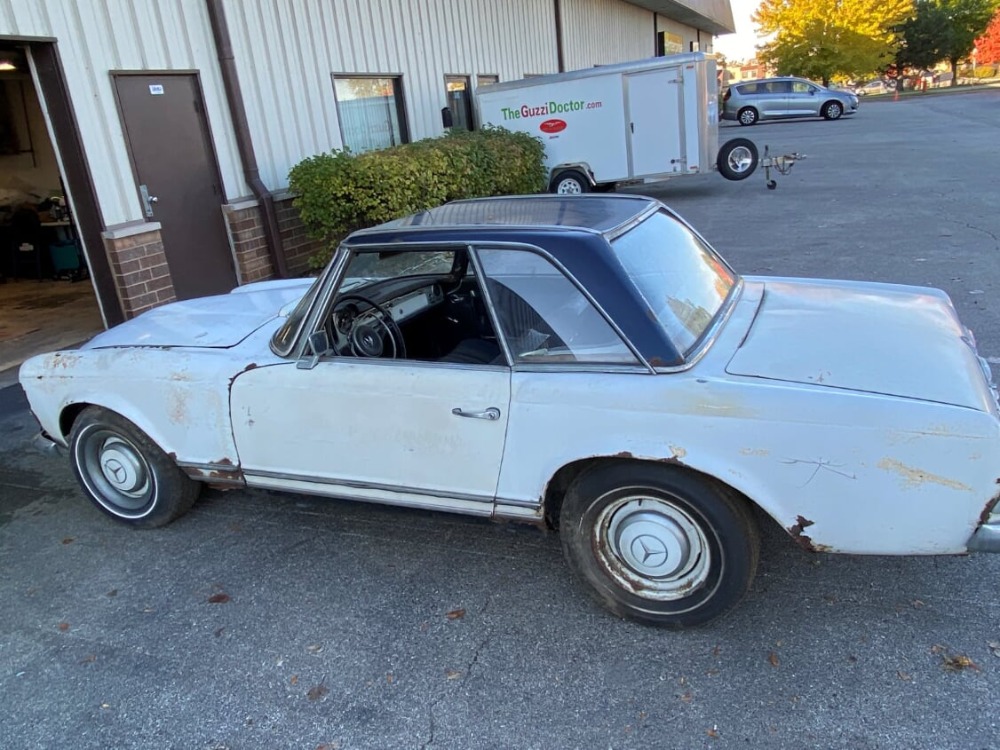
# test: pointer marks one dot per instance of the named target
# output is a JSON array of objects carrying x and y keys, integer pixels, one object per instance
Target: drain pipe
[{"x": 244, "y": 142}]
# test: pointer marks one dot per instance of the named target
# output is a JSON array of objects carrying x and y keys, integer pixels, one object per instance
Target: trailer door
[{"x": 654, "y": 127}]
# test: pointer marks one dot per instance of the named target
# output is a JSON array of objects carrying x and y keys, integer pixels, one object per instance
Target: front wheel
[
  {"x": 833, "y": 111},
  {"x": 659, "y": 545},
  {"x": 737, "y": 159},
  {"x": 125, "y": 474},
  {"x": 747, "y": 116},
  {"x": 570, "y": 182}
]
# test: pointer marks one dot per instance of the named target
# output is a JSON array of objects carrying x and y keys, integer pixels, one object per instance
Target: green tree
[
  {"x": 943, "y": 30},
  {"x": 825, "y": 38}
]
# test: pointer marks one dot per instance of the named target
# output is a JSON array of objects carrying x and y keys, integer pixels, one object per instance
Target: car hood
[
  {"x": 877, "y": 338},
  {"x": 222, "y": 321}
]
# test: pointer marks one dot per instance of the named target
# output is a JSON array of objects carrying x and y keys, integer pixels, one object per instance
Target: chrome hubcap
[
  {"x": 121, "y": 466},
  {"x": 740, "y": 159},
  {"x": 115, "y": 472},
  {"x": 652, "y": 547}
]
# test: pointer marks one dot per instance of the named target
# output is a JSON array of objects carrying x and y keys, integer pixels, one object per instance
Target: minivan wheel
[
  {"x": 833, "y": 110},
  {"x": 747, "y": 116},
  {"x": 737, "y": 159}
]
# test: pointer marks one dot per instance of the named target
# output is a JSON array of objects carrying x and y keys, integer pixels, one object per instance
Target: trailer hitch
[{"x": 782, "y": 164}]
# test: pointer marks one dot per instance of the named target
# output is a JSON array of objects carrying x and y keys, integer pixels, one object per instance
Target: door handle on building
[{"x": 147, "y": 200}]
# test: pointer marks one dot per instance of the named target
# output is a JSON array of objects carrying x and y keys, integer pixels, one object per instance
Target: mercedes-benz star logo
[
  {"x": 649, "y": 550},
  {"x": 114, "y": 467}
]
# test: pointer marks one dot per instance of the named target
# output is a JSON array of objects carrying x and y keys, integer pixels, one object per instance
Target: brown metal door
[{"x": 179, "y": 183}]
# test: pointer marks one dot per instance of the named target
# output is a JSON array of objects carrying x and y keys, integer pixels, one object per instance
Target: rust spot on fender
[
  {"x": 225, "y": 462},
  {"x": 623, "y": 454},
  {"x": 915, "y": 477},
  {"x": 251, "y": 366},
  {"x": 803, "y": 540}
]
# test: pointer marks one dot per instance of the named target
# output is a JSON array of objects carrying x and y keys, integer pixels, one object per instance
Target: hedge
[{"x": 339, "y": 192}]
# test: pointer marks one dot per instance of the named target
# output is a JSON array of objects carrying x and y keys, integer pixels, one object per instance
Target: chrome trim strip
[
  {"x": 517, "y": 513},
  {"x": 373, "y": 486},
  {"x": 228, "y": 468},
  {"x": 428, "y": 502},
  {"x": 519, "y": 503}
]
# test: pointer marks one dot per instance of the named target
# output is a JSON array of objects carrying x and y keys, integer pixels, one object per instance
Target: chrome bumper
[
  {"x": 987, "y": 537},
  {"x": 44, "y": 443}
]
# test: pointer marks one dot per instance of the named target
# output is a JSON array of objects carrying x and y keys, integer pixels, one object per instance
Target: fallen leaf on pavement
[
  {"x": 917, "y": 603},
  {"x": 113, "y": 592},
  {"x": 773, "y": 659},
  {"x": 687, "y": 697},
  {"x": 456, "y": 614},
  {"x": 68, "y": 540},
  {"x": 218, "y": 632},
  {"x": 314, "y": 648},
  {"x": 89, "y": 659},
  {"x": 294, "y": 680},
  {"x": 904, "y": 676},
  {"x": 64, "y": 626},
  {"x": 219, "y": 598},
  {"x": 317, "y": 691},
  {"x": 452, "y": 674},
  {"x": 713, "y": 733},
  {"x": 958, "y": 663},
  {"x": 994, "y": 647}
]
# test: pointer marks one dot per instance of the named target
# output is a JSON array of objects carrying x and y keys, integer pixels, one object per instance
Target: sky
[{"x": 739, "y": 46}]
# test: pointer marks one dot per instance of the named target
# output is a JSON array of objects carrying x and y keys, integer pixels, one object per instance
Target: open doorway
[{"x": 47, "y": 295}]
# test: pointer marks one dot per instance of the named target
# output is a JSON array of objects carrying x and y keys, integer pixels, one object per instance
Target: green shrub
[{"x": 338, "y": 192}]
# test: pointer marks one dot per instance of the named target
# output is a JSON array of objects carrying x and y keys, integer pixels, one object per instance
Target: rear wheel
[
  {"x": 659, "y": 545},
  {"x": 737, "y": 159},
  {"x": 570, "y": 182},
  {"x": 125, "y": 474},
  {"x": 833, "y": 110},
  {"x": 747, "y": 116}
]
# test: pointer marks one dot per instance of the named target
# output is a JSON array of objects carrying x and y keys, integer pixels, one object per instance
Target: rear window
[{"x": 683, "y": 281}]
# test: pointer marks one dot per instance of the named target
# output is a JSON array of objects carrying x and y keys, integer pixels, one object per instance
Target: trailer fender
[{"x": 572, "y": 178}]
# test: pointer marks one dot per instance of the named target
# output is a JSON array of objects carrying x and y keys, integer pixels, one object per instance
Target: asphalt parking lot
[{"x": 263, "y": 620}]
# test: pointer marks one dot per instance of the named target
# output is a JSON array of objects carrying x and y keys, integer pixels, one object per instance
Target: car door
[
  {"x": 396, "y": 430},
  {"x": 777, "y": 99},
  {"x": 803, "y": 99},
  {"x": 569, "y": 364}
]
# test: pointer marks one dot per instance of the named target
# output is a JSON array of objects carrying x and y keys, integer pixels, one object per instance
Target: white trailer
[{"x": 639, "y": 121}]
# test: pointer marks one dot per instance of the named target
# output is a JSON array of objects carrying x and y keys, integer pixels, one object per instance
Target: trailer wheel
[
  {"x": 737, "y": 159},
  {"x": 569, "y": 182}
]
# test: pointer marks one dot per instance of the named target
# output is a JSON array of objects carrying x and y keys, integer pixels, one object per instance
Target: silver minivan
[{"x": 771, "y": 98}]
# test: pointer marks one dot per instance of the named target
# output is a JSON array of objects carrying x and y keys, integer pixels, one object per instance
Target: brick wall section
[
  {"x": 298, "y": 247},
  {"x": 246, "y": 232},
  {"x": 139, "y": 266}
]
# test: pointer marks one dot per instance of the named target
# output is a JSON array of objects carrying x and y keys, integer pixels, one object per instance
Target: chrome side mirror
[{"x": 317, "y": 345}]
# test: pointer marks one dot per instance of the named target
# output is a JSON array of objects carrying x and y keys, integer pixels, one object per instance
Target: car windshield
[{"x": 682, "y": 280}]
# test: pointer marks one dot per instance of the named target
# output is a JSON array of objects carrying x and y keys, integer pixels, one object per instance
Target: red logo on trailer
[{"x": 552, "y": 126}]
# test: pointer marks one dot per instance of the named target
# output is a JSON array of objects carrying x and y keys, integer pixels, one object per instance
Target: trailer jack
[{"x": 783, "y": 165}]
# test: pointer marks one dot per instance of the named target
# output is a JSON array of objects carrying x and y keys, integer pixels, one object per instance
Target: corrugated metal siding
[
  {"x": 94, "y": 38},
  {"x": 687, "y": 33},
  {"x": 599, "y": 32},
  {"x": 287, "y": 53}
]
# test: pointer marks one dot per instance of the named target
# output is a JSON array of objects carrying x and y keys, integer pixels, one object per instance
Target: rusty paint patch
[
  {"x": 220, "y": 478},
  {"x": 225, "y": 462},
  {"x": 916, "y": 477},
  {"x": 251, "y": 366},
  {"x": 803, "y": 540},
  {"x": 623, "y": 454},
  {"x": 658, "y": 362}
]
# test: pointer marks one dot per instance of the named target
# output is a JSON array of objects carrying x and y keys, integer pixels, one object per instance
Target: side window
[
  {"x": 778, "y": 87},
  {"x": 543, "y": 316},
  {"x": 801, "y": 87}
]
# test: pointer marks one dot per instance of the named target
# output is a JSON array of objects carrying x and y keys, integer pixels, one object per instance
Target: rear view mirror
[{"x": 317, "y": 345}]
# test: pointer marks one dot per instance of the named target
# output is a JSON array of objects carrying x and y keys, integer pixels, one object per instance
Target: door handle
[
  {"x": 147, "y": 201},
  {"x": 492, "y": 414}
]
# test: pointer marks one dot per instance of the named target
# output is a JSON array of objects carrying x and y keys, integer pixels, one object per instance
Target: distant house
[{"x": 173, "y": 123}]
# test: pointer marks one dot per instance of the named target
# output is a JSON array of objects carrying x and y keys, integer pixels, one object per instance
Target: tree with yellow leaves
[{"x": 821, "y": 39}]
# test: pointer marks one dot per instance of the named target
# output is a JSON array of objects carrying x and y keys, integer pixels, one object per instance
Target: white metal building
[{"x": 175, "y": 122}]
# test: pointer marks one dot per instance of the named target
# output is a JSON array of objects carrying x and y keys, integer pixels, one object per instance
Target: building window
[
  {"x": 486, "y": 80},
  {"x": 459, "y": 102},
  {"x": 371, "y": 112}
]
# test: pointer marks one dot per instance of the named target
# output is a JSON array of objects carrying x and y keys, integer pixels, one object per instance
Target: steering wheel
[{"x": 368, "y": 331}]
